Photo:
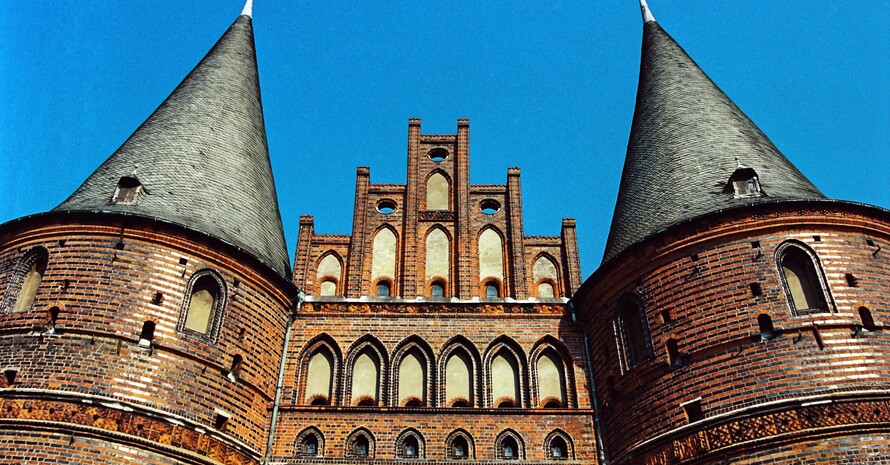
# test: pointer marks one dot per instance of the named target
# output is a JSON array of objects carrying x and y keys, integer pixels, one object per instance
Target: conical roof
[
  {"x": 201, "y": 158},
  {"x": 686, "y": 142}
]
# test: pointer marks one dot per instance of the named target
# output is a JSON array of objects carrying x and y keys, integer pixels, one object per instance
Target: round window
[
  {"x": 386, "y": 206},
  {"x": 438, "y": 155},
  {"x": 490, "y": 206}
]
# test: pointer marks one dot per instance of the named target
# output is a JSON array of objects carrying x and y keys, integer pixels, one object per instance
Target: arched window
[
  {"x": 329, "y": 273},
  {"x": 203, "y": 305},
  {"x": 508, "y": 446},
  {"x": 25, "y": 280},
  {"x": 412, "y": 379},
  {"x": 437, "y": 289},
  {"x": 634, "y": 333},
  {"x": 438, "y": 254},
  {"x": 360, "y": 444},
  {"x": 491, "y": 256},
  {"x": 410, "y": 445},
  {"x": 383, "y": 289},
  {"x": 744, "y": 183},
  {"x": 551, "y": 380},
  {"x": 558, "y": 446},
  {"x": 505, "y": 371},
  {"x": 801, "y": 278},
  {"x": 319, "y": 377},
  {"x": 383, "y": 261},
  {"x": 366, "y": 369},
  {"x": 437, "y": 192},
  {"x": 459, "y": 379},
  {"x": 310, "y": 443},
  {"x": 545, "y": 274},
  {"x": 459, "y": 446},
  {"x": 492, "y": 289}
]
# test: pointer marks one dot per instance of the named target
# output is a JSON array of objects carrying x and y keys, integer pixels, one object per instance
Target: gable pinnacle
[
  {"x": 248, "y": 9},
  {"x": 647, "y": 14}
]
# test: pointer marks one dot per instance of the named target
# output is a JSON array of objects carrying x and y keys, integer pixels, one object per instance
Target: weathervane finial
[{"x": 647, "y": 14}]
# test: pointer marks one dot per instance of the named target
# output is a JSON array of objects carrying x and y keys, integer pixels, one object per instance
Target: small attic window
[
  {"x": 744, "y": 183},
  {"x": 127, "y": 191}
]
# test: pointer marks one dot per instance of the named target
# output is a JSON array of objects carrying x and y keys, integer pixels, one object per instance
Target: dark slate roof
[
  {"x": 202, "y": 157},
  {"x": 685, "y": 138}
]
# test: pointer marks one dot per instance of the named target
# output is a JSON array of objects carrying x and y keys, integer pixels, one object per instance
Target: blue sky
[{"x": 548, "y": 87}]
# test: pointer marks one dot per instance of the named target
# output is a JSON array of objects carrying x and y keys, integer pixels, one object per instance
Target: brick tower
[
  {"x": 437, "y": 330},
  {"x": 736, "y": 317},
  {"x": 143, "y": 318}
]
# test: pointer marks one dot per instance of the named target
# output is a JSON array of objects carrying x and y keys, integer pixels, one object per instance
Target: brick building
[{"x": 153, "y": 317}]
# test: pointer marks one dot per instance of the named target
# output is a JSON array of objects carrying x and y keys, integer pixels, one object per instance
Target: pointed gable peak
[
  {"x": 202, "y": 158},
  {"x": 687, "y": 139},
  {"x": 647, "y": 13}
]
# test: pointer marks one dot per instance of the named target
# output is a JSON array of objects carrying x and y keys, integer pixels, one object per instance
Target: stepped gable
[
  {"x": 201, "y": 158},
  {"x": 686, "y": 141}
]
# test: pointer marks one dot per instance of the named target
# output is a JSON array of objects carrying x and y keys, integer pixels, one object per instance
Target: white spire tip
[
  {"x": 647, "y": 13},
  {"x": 248, "y": 9}
]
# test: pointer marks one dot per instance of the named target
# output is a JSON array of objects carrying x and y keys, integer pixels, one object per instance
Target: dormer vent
[
  {"x": 744, "y": 183},
  {"x": 127, "y": 190}
]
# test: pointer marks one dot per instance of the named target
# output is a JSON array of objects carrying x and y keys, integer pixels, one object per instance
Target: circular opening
[
  {"x": 438, "y": 155},
  {"x": 386, "y": 206},
  {"x": 490, "y": 206}
]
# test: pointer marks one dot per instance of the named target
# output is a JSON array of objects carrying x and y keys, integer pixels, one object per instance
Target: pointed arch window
[
  {"x": 410, "y": 445},
  {"x": 25, "y": 280},
  {"x": 558, "y": 446},
  {"x": 202, "y": 307},
  {"x": 383, "y": 261},
  {"x": 329, "y": 274},
  {"x": 459, "y": 378},
  {"x": 319, "y": 378},
  {"x": 508, "y": 446},
  {"x": 360, "y": 444},
  {"x": 504, "y": 380},
  {"x": 633, "y": 333},
  {"x": 412, "y": 379},
  {"x": 310, "y": 443},
  {"x": 365, "y": 379},
  {"x": 437, "y": 192},
  {"x": 459, "y": 446},
  {"x": 550, "y": 380},
  {"x": 802, "y": 279}
]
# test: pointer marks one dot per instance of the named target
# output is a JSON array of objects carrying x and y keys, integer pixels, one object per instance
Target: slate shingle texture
[
  {"x": 685, "y": 138},
  {"x": 202, "y": 157}
]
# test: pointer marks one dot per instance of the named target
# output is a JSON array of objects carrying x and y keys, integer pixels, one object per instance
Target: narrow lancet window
[
  {"x": 802, "y": 279},
  {"x": 634, "y": 334},
  {"x": 203, "y": 304},
  {"x": 25, "y": 281}
]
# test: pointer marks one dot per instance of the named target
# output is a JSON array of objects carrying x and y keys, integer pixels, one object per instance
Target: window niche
[
  {"x": 558, "y": 446},
  {"x": 633, "y": 333},
  {"x": 459, "y": 446},
  {"x": 508, "y": 446},
  {"x": 128, "y": 190},
  {"x": 744, "y": 183},
  {"x": 202, "y": 307},
  {"x": 360, "y": 445},
  {"x": 802, "y": 279},
  {"x": 410, "y": 445},
  {"x": 25, "y": 281},
  {"x": 310, "y": 443}
]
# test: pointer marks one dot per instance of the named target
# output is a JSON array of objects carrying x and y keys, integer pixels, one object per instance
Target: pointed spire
[
  {"x": 685, "y": 140},
  {"x": 647, "y": 13},
  {"x": 248, "y": 9},
  {"x": 202, "y": 158}
]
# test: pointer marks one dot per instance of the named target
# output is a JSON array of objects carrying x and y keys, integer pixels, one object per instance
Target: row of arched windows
[
  {"x": 803, "y": 282},
  {"x": 202, "y": 306},
  {"x": 544, "y": 269},
  {"x": 411, "y": 444},
  {"x": 457, "y": 377}
]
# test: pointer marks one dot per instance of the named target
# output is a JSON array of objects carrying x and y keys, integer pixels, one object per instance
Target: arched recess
[
  {"x": 413, "y": 374},
  {"x": 438, "y": 191},
  {"x": 410, "y": 445},
  {"x": 491, "y": 259},
  {"x": 320, "y": 367},
  {"x": 360, "y": 444},
  {"x": 459, "y": 445},
  {"x": 553, "y": 378},
  {"x": 329, "y": 274},
  {"x": 310, "y": 443},
  {"x": 505, "y": 374},
  {"x": 383, "y": 260},
  {"x": 203, "y": 305},
  {"x": 459, "y": 371},
  {"x": 509, "y": 446},
  {"x": 438, "y": 255},
  {"x": 25, "y": 280},
  {"x": 545, "y": 275},
  {"x": 802, "y": 278},
  {"x": 635, "y": 345},
  {"x": 558, "y": 445},
  {"x": 366, "y": 370}
]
